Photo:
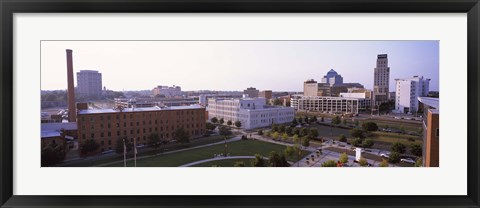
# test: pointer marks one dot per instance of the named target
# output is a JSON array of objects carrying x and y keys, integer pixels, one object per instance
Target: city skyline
[{"x": 235, "y": 65}]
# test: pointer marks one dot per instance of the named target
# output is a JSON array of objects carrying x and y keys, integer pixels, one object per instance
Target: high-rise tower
[{"x": 381, "y": 80}]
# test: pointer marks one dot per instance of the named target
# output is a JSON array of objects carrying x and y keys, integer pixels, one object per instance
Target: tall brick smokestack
[{"x": 72, "y": 111}]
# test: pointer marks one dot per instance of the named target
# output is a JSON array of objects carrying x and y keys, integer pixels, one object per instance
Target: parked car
[
  {"x": 407, "y": 160},
  {"x": 385, "y": 155}
]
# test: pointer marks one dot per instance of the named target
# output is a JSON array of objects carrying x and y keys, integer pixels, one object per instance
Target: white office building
[
  {"x": 407, "y": 92},
  {"x": 324, "y": 104},
  {"x": 251, "y": 112},
  {"x": 364, "y": 98}
]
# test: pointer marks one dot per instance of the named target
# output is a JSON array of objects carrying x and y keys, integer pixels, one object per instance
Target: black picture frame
[{"x": 9, "y": 7}]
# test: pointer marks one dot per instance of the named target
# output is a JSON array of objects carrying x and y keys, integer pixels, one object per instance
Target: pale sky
[{"x": 235, "y": 65}]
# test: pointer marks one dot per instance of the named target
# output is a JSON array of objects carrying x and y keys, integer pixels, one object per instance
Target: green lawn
[
  {"x": 168, "y": 147},
  {"x": 238, "y": 148},
  {"x": 225, "y": 163}
]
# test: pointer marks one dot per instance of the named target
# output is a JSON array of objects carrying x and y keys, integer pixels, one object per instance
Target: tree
[
  {"x": 416, "y": 150},
  {"x": 330, "y": 163},
  {"x": 342, "y": 138},
  {"x": 275, "y": 135},
  {"x": 277, "y": 101},
  {"x": 277, "y": 160},
  {"x": 394, "y": 157},
  {"x": 295, "y": 138},
  {"x": 357, "y": 142},
  {"x": 357, "y": 133},
  {"x": 368, "y": 143},
  {"x": 258, "y": 161},
  {"x": 274, "y": 127},
  {"x": 357, "y": 123},
  {"x": 419, "y": 162},
  {"x": 284, "y": 136},
  {"x": 260, "y": 132},
  {"x": 307, "y": 120},
  {"x": 370, "y": 126},
  {"x": 181, "y": 136},
  {"x": 229, "y": 123},
  {"x": 296, "y": 131},
  {"x": 322, "y": 119},
  {"x": 52, "y": 154},
  {"x": 210, "y": 126},
  {"x": 313, "y": 133},
  {"x": 344, "y": 122},
  {"x": 384, "y": 163},
  {"x": 154, "y": 141},
  {"x": 238, "y": 124},
  {"x": 239, "y": 164},
  {"x": 304, "y": 132},
  {"x": 221, "y": 121},
  {"x": 314, "y": 119},
  {"x": 305, "y": 142},
  {"x": 288, "y": 130},
  {"x": 363, "y": 162},
  {"x": 343, "y": 158},
  {"x": 214, "y": 120},
  {"x": 398, "y": 147},
  {"x": 120, "y": 145},
  {"x": 289, "y": 151},
  {"x": 336, "y": 120},
  {"x": 89, "y": 146},
  {"x": 294, "y": 122},
  {"x": 281, "y": 129},
  {"x": 225, "y": 131}
]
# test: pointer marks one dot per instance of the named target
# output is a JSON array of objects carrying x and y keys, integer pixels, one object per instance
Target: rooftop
[
  {"x": 155, "y": 108},
  {"x": 432, "y": 102}
]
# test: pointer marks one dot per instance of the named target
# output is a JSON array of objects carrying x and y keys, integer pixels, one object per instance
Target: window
[
  {"x": 109, "y": 134},
  {"x": 109, "y": 142},
  {"x": 437, "y": 133}
]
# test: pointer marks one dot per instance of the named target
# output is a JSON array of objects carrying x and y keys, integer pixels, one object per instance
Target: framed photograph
[{"x": 239, "y": 103}]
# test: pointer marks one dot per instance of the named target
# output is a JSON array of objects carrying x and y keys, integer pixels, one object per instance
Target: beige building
[{"x": 431, "y": 134}]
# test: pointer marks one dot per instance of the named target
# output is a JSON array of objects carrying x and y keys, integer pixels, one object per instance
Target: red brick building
[{"x": 106, "y": 126}]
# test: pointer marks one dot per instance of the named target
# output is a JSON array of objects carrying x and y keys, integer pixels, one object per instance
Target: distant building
[
  {"x": 332, "y": 78},
  {"x": 310, "y": 88},
  {"x": 364, "y": 98},
  {"x": 167, "y": 91},
  {"x": 431, "y": 114},
  {"x": 252, "y": 92},
  {"x": 106, "y": 126},
  {"x": 381, "y": 80},
  {"x": 89, "y": 83},
  {"x": 155, "y": 101},
  {"x": 331, "y": 85},
  {"x": 407, "y": 91},
  {"x": 251, "y": 112},
  {"x": 267, "y": 94},
  {"x": 325, "y": 104},
  {"x": 203, "y": 98}
]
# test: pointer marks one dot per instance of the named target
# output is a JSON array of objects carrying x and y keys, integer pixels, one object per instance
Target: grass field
[
  {"x": 167, "y": 147},
  {"x": 225, "y": 163},
  {"x": 238, "y": 148}
]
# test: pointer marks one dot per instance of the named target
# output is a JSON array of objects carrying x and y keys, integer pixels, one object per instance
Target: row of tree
[{"x": 215, "y": 120}]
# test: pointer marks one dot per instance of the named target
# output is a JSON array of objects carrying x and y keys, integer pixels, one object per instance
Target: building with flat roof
[
  {"x": 252, "y": 92},
  {"x": 167, "y": 91},
  {"x": 364, "y": 98},
  {"x": 251, "y": 112},
  {"x": 267, "y": 94},
  {"x": 106, "y": 126},
  {"x": 155, "y": 101},
  {"x": 89, "y": 83},
  {"x": 381, "y": 80},
  {"x": 407, "y": 91},
  {"x": 431, "y": 133},
  {"x": 324, "y": 104}
]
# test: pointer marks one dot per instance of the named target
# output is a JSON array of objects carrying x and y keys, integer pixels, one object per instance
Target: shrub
[
  {"x": 370, "y": 126},
  {"x": 342, "y": 138},
  {"x": 394, "y": 157},
  {"x": 398, "y": 147},
  {"x": 330, "y": 163}
]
